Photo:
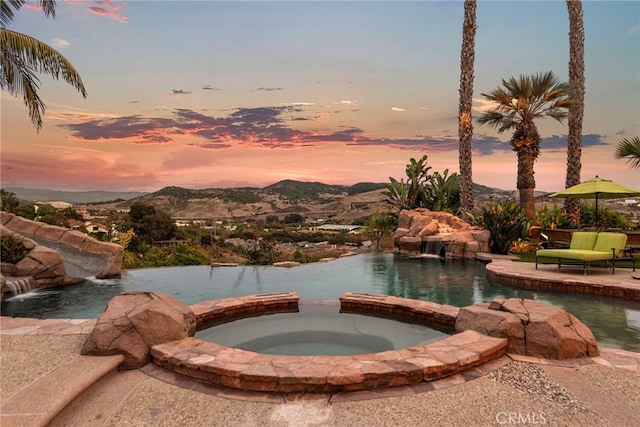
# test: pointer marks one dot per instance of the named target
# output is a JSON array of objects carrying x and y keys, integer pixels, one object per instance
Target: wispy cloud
[
  {"x": 177, "y": 92},
  {"x": 59, "y": 43},
  {"x": 634, "y": 30},
  {"x": 397, "y": 109},
  {"x": 268, "y": 89},
  {"x": 109, "y": 9},
  {"x": 298, "y": 104},
  {"x": 482, "y": 105},
  {"x": 209, "y": 87},
  {"x": 271, "y": 127}
]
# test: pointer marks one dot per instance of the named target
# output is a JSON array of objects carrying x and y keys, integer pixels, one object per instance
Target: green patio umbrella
[{"x": 596, "y": 188}]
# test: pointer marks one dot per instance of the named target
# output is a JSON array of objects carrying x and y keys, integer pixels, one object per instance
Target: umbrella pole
[{"x": 596, "y": 227}]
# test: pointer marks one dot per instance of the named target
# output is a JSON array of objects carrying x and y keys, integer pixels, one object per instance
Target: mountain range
[{"x": 312, "y": 200}]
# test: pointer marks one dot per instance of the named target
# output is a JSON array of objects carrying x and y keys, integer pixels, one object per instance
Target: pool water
[
  {"x": 319, "y": 329},
  {"x": 614, "y": 322}
]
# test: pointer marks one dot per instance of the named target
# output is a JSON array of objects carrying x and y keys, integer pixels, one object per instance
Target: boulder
[
  {"x": 531, "y": 328},
  {"x": 461, "y": 240},
  {"x": 133, "y": 322}
]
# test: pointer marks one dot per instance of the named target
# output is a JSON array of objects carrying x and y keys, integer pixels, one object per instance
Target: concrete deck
[{"x": 44, "y": 381}]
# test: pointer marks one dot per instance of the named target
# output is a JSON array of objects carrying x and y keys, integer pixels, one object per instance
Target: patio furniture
[{"x": 587, "y": 247}]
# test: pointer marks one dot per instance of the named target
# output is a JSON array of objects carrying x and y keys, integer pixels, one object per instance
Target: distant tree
[
  {"x": 8, "y": 201},
  {"x": 21, "y": 57},
  {"x": 273, "y": 219},
  {"x": 50, "y": 215},
  {"x": 293, "y": 218},
  {"x": 26, "y": 211},
  {"x": 629, "y": 148},
  {"x": 151, "y": 224},
  {"x": 378, "y": 226},
  {"x": 517, "y": 105}
]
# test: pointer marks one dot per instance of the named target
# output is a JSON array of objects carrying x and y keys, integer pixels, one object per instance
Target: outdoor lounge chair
[{"x": 588, "y": 247}]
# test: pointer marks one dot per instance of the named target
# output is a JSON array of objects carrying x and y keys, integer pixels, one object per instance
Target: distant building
[{"x": 339, "y": 227}]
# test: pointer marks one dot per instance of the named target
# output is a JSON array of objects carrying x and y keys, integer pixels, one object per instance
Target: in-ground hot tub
[
  {"x": 218, "y": 364},
  {"x": 320, "y": 328}
]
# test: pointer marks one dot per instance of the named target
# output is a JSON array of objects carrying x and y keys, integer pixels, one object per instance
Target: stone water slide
[{"x": 57, "y": 256}]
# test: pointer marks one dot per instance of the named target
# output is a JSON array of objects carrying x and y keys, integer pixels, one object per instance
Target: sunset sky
[{"x": 202, "y": 94}]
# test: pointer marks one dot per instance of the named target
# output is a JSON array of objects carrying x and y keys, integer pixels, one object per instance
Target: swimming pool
[{"x": 614, "y": 322}]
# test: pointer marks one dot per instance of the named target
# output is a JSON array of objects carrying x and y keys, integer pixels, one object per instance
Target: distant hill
[
  {"x": 312, "y": 200},
  {"x": 78, "y": 197}
]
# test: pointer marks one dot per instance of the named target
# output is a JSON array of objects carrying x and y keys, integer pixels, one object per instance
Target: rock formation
[
  {"x": 419, "y": 228},
  {"x": 133, "y": 322},
  {"x": 45, "y": 265},
  {"x": 531, "y": 328},
  {"x": 41, "y": 268}
]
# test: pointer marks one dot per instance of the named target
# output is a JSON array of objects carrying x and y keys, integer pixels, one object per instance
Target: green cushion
[
  {"x": 575, "y": 254},
  {"x": 607, "y": 241},
  {"x": 583, "y": 240}
]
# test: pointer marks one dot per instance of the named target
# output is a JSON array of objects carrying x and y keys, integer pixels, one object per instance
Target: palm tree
[
  {"x": 576, "y": 110},
  {"x": 21, "y": 57},
  {"x": 518, "y": 104},
  {"x": 629, "y": 148},
  {"x": 465, "y": 125}
]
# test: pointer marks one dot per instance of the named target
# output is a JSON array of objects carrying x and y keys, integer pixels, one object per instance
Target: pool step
[{"x": 41, "y": 401}]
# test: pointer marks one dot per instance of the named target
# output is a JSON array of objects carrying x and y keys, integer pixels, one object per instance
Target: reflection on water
[{"x": 614, "y": 322}]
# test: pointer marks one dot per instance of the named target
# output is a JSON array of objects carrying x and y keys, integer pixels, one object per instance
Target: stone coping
[
  {"x": 622, "y": 284},
  {"x": 245, "y": 370}
]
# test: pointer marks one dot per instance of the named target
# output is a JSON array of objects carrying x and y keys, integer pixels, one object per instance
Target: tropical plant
[
  {"x": 409, "y": 194},
  {"x": 505, "y": 221},
  {"x": 417, "y": 175},
  {"x": 525, "y": 245},
  {"x": 21, "y": 57},
  {"x": 554, "y": 217},
  {"x": 442, "y": 192},
  {"x": 518, "y": 104},
  {"x": 465, "y": 124},
  {"x": 576, "y": 109},
  {"x": 629, "y": 148},
  {"x": 396, "y": 193}
]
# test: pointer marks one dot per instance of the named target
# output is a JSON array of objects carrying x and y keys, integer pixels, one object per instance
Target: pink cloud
[{"x": 108, "y": 9}]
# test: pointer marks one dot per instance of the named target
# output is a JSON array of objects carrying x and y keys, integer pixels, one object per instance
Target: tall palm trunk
[
  {"x": 526, "y": 144},
  {"x": 576, "y": 110},
  {"x": 465, "y": 126}
]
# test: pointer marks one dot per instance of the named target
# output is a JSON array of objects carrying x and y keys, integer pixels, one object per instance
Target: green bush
[
  {"x": 606, "y": 217},
  {"x": 557, "y": 217},
  {"x": 12, "y": 249},
  {"x": 506, "y": 223},
  {"x": 188, "y": 255}
]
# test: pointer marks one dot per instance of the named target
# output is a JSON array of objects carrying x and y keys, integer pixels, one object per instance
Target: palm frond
[
  {"x": 629, "y": 148},
  {"x": 21, "y": 57},
  {"x": 41, "y": 57}
]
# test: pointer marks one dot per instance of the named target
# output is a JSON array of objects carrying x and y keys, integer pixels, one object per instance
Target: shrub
[
  {"x": 505, "y": 221},
  {"x": 188, "y": 255},
  {"x": 12, "y": 249}
]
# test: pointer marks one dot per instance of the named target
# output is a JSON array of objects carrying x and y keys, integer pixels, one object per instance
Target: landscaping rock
[
  {"x": 531, "y": 328},
  {"x": 133, "y": 322},
  {"x": 460, "y": 239}
]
